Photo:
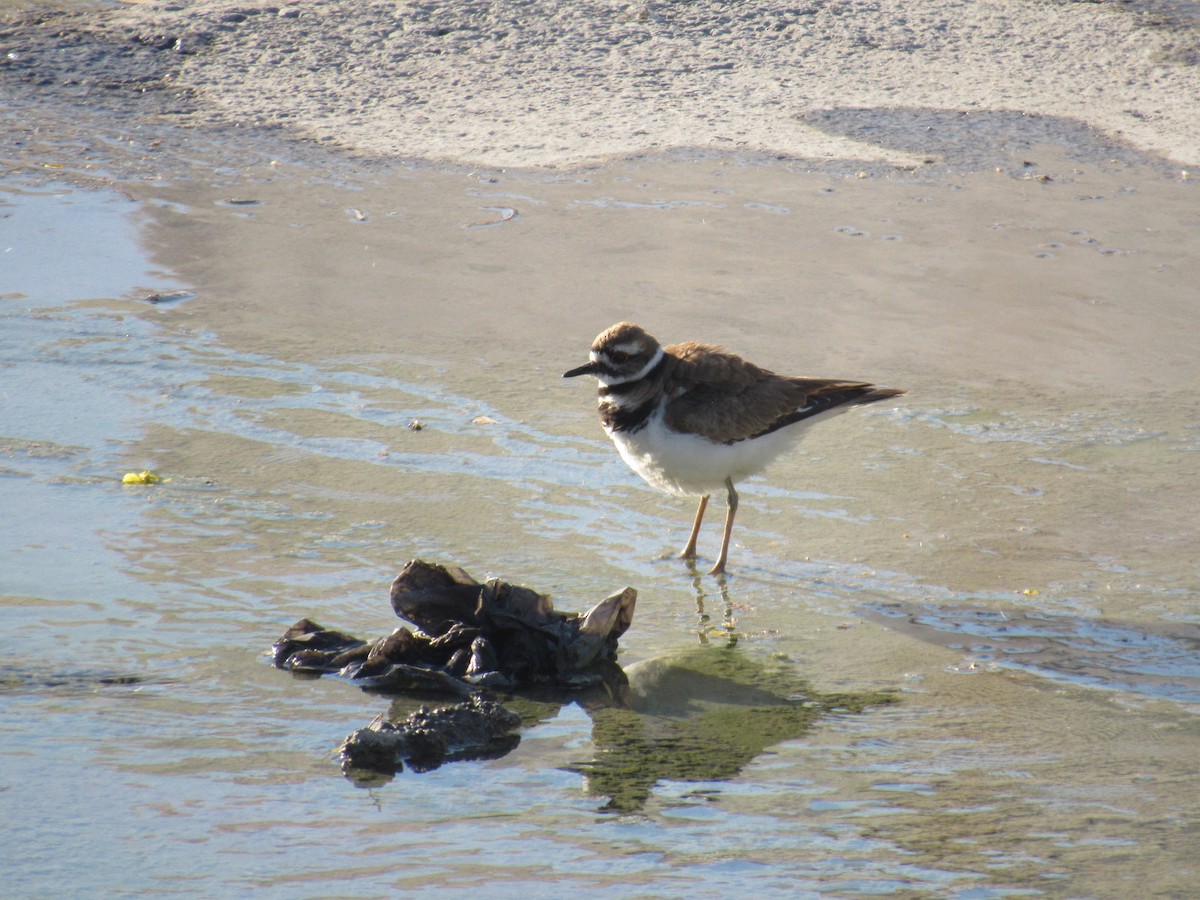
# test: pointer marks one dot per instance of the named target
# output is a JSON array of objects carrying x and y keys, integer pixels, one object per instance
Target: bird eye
[{"x": 619, "y": 356}]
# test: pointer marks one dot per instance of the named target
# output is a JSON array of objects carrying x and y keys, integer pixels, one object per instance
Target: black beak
[{"x": 588, "y": 369}]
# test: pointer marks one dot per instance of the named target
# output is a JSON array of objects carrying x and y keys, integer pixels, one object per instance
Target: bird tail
[{"x": 876, "y": 394}]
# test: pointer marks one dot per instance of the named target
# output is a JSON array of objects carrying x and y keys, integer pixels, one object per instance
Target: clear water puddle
[{"x": 299, "y": 485}]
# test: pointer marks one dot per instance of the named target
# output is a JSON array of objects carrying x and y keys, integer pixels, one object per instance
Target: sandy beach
[
  {"x": 1031, "y": 121},
  {"x": 543, "y": 83}
]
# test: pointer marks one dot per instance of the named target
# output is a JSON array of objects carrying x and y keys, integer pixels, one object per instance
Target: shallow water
[{"x": 1011, "y": 551}]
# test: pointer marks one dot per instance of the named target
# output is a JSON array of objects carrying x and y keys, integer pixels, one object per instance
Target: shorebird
[{"x": 691, "y": 418}]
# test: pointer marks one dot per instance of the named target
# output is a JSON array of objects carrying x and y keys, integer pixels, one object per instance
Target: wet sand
[
  {"x": 902, "y": 188},
  {"x": 1014, "y": 310}
]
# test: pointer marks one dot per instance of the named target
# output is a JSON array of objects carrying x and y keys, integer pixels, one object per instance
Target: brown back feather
[{"x": 725, "y": 398}]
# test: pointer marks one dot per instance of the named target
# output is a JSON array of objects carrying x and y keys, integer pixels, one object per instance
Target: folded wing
[{"x": 727, "y": 399}]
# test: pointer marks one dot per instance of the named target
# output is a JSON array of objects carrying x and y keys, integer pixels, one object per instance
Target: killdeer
[{"x": 690, "y": 418}]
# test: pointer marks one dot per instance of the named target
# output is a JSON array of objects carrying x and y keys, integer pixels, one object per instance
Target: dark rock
[
  {"x": 307, "y": 646},
  {"x": 468, "y": 635},
  {"x": 474, "y": 729}
]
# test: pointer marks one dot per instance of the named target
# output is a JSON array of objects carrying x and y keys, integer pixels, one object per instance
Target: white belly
[{"x": 685, "y": 464}]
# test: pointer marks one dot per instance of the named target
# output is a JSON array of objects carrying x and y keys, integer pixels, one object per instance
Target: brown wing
[{"x": 725, "y": 398}]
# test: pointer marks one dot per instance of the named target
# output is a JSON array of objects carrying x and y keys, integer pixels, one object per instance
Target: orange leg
[
  {"x": 689, "y": 551},
  {"x": 719, "y": 567}
]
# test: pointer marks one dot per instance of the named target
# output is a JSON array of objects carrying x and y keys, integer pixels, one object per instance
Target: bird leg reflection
[{"x": 728, "y": 627}]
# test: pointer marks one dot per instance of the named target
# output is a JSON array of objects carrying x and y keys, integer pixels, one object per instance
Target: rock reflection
[{"x": 698, "y": 716}]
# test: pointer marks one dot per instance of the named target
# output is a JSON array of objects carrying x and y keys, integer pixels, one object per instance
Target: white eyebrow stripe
[
  {"x": 654, "y": 361},
  {"x": 640, "y": 374}
]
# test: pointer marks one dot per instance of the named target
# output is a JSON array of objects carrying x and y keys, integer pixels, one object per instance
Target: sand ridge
[{"x": 550, "y": 83}]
